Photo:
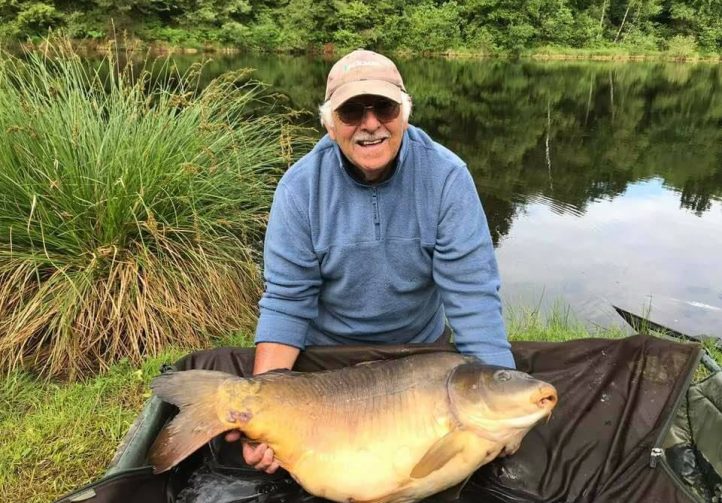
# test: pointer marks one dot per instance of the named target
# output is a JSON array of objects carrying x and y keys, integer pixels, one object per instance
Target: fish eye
[{"x": 502, "y": 375}]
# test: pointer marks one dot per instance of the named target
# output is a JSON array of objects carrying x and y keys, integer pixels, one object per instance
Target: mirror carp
[{"x": 392, "y": 431}]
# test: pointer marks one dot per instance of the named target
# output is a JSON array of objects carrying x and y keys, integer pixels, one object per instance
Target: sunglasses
[{"x": 352, "y": 113}]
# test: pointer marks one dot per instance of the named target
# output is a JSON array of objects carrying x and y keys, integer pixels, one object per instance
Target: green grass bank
[{"x": 677, "y": 52}]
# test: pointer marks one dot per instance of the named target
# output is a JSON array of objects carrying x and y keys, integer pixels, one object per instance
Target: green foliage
[
  {"x": 348, "y": 39},
  {"x": 682, "y": 46},
  {"x": 81, "y": 25},
  {"x": 433, "y": 28},
  {"x": 427, "y": 26},
  {"x": 37, "y": 17},
  {"x": 481, "y": 39},
  {"x": 265, "y": 32},
  {"x": 639, "y": 40},
  {"x": 234, "y": 33},
  {"x": 586, "y": 31}
]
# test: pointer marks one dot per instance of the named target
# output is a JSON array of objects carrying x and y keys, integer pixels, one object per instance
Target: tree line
[{"x": 680, "y": 27}]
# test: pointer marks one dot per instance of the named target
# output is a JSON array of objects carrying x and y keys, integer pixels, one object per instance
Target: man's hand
[
  {"x": 259, "y": 456},
  {"x": 269, "y": 356}
]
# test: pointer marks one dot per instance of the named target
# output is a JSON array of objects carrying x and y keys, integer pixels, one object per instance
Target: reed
[{"x": 130, "y": 205}]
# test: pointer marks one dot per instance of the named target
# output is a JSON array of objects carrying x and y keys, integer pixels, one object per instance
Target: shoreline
[{"x": 160, "y": 48}]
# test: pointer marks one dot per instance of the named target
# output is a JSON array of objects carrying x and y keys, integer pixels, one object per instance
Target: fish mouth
[{"x": 545, "y": 397}]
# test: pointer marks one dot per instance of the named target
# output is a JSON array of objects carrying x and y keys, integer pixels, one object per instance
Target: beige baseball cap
[{"x": 363, "y": 72}]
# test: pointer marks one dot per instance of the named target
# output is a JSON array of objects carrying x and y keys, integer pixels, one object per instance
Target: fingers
[
  {"x": 267, "y": 461},
  {"x": 260, "y": 456},
  {"x": 273, "y": 467},
  {"x": 252, "y": 453}
]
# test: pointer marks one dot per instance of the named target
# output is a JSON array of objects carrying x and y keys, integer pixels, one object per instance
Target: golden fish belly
[
  {"x": 368, "y": 463},
  {"x": 381, "y": 473}
]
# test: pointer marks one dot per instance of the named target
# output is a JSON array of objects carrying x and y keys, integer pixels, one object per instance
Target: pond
[{"x": 602, "y": 182}]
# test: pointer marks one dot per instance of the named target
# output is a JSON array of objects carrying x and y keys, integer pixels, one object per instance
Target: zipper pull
[
  {"x": 375, "y": 203},
  {"x": 654, "y": 457}
]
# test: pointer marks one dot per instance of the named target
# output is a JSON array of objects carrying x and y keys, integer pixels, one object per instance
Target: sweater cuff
[
  {"x": 500, "y": 358},
  {"x": 282, "y": 329}
]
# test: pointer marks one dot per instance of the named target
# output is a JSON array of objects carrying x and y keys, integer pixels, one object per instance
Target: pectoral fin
[{"x": 440, "y": 453}]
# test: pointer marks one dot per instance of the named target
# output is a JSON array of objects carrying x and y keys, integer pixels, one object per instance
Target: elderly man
[{"x": 376, "y": 236}]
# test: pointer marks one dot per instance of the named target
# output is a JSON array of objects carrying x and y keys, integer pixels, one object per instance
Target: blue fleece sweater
[{"x": 349, "y": 263}]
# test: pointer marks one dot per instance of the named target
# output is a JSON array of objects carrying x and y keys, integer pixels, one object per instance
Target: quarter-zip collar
[{"x": 357, "y": 176}]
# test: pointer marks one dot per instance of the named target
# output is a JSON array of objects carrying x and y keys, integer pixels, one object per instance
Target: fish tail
[{"x": 198, "y": 394}]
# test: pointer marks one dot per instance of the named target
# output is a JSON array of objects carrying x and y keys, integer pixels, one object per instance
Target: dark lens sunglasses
[{"x": 352, "y": 112}]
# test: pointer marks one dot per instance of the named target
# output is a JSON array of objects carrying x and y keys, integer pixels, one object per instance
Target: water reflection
[
  {"x": 632, "y": 250},
  {"x": 601, "y": 182}
]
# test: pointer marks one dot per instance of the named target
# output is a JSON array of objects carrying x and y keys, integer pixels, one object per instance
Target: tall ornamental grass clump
[{"x": 129, "y": 208}]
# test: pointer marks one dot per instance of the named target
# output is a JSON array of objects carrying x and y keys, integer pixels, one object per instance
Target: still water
[{"x": 602, "y": 182}]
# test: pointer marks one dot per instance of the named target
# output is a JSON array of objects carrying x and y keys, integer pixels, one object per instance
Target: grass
[
  {"x": 558, "y": 326},
  {"x": 61, "y": 436},
  {"x": 130, "y": 203},
  {"x": 57, "y": 437}
]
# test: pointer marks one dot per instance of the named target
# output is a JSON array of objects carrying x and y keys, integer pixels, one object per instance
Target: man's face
[{"x": 371, "y": 142}]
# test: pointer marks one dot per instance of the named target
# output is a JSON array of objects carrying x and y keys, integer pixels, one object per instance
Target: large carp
[{"x": 384, "y": 432}]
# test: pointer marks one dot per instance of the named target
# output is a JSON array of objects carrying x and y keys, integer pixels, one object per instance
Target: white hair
[{"x": 326, "y": 114}]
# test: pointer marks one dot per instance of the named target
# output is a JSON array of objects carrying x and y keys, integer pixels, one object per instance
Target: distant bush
[
  {"x": 638, "y": 40},
  {"x": 682, "y": 46},
  {"x": 79, "y": 25},
  {"x": 481, "y": 39},
  {"x": 710, "y": 38},
  {"x": 172, "y": 35},
  {"x": 36, "y": 17},
  {"x": 235, "y": 33},
  {"x": 586, "y": 31},
  {"x": 433, "y": 28},
  {"x": 348, "y": 39},
  {"x": 265, "y": 33}
]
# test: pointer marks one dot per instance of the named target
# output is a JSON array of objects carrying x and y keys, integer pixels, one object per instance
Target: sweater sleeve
[
  {"x": 291, "y": 273},
  {"x": 466, "y": 273}
]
